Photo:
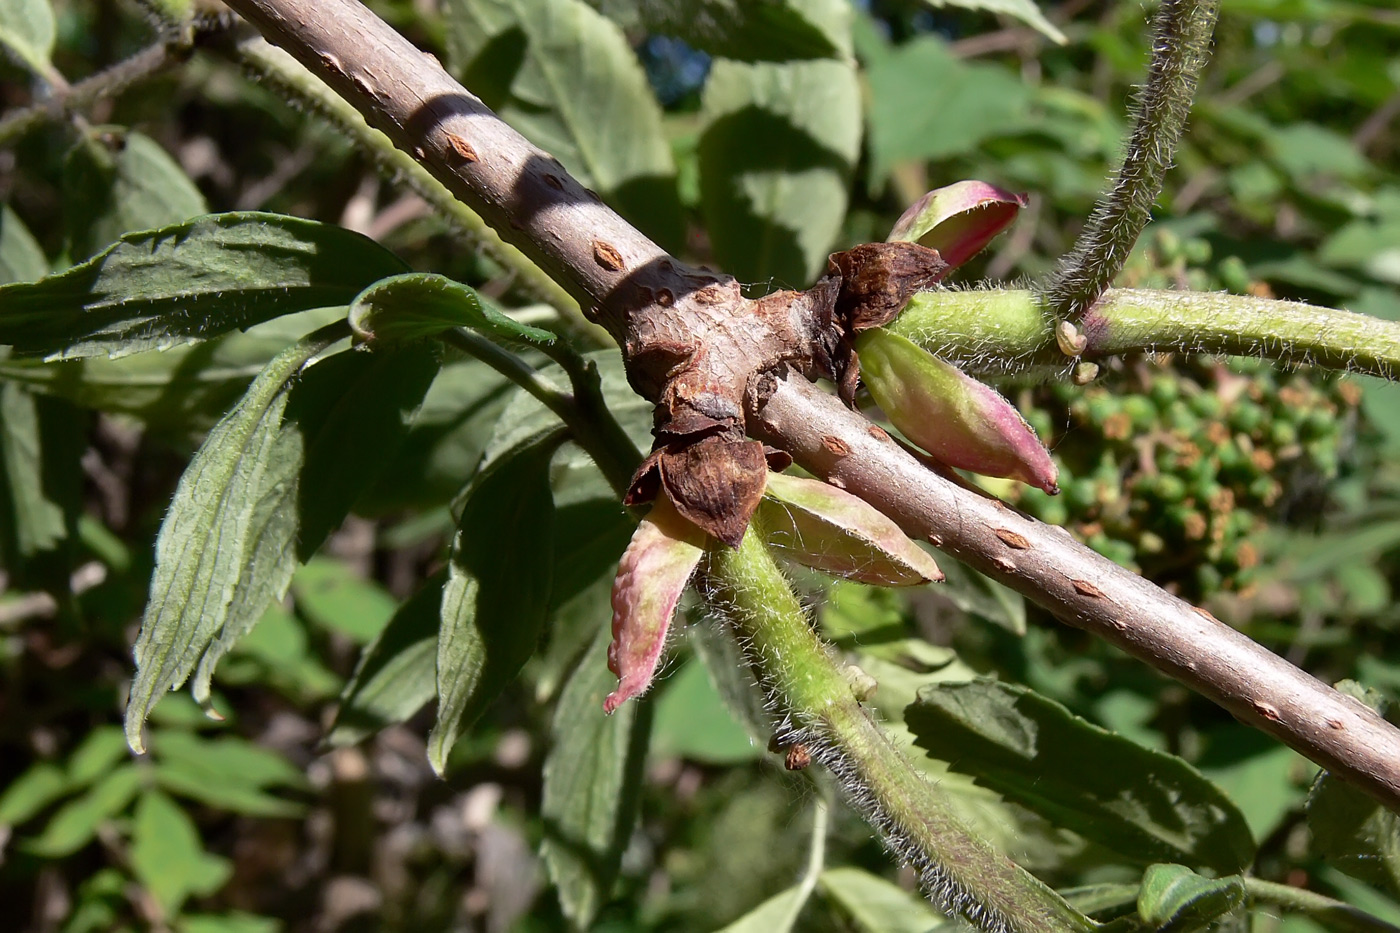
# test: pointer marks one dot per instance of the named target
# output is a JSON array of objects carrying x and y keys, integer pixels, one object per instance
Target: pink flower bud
[
  {"x": 827, "y": 529},
  {"x": 651, "y": 577},
  {"x": 958, "y": 220},
  {"x": 957, "y": 419}
]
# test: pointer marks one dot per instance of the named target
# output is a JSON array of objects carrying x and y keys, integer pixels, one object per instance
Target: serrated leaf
[
  {"x": 566, "y": 78},
  {"x": 876, "y": 905},
  {"x": 181, "y": 391},
  {"x": 1143, "y": 804},
  {"x": 773, "y": 211},
  {"x": 1174, "y": 899},
  {"x": 592, "y": 780},
  {"x": 343, "y": 418},
  {"x": 496, "y": 597},
  {"x": 395, "y": 676},
  {"x": 167, "y": 855},
  {"x": 766, "y": 30},
  {"x": 1024, "y": 10},
  {"x": 116, "y": 181},
  {"x": 21, "y": 258},
  {"x": 420, "y": 304},
  {"x": 190, "y": 282},
  {"x": 77, "y": 821},
  {"x": 28, "y": 30},
  {"x": 203, "y": 542}
]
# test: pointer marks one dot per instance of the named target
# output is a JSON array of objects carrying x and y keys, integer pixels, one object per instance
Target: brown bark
[{"x": 711, "y": 358}]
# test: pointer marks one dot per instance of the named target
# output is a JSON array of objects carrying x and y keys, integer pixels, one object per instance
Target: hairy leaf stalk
[
  {"x": 960, "y": 872},
  {"x": 1008, "y": 331},
  {"x": 1181, "y": 36}
]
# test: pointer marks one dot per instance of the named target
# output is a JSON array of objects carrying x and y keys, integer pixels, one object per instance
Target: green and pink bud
[
  {"x": 956, "y": 419},
  {"x": 958, "y": 220},
  {"x": 827, "y": 529},
  {"x": 652, "y": 575}
]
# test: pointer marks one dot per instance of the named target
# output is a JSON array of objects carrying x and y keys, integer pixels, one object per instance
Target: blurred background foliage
[{"x": 755, "y": 142}]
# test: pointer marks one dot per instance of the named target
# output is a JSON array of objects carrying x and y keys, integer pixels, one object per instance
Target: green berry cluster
[{"x": 1172, "y": 465}]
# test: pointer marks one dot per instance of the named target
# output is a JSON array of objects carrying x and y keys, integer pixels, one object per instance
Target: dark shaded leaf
[
  {"x": 566, "y": 78},
  {"x": 117, "y": 180},
  {"x": 190, "y": 282},
  {"x": 395, "y": 676},
  {"x": 592, "y": 780},
  {"x": 496, "y": 597},
  {"x": 773, "y": 210},
  {"x": 1141, "y": 803},
  {"x": 766, "y": 30}
]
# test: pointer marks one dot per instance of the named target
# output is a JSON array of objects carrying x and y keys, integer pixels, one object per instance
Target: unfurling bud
[
  {"x": 827, "y": 529},
  {"x": 958, "y": 420},
  {"x": 958, "y": 220},
  {"x": 651, "y": 577}
]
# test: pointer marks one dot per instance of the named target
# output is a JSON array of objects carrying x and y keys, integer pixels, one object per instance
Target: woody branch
[{"x": 650, "y": 301}]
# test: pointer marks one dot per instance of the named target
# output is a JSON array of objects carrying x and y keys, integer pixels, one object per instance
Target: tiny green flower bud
[
  {"x": 957, "y": 419},
  {"x": 827, "y": 529},
  {"x": 651, "y": 577}
]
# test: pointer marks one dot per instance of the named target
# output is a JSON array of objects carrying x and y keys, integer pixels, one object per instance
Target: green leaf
[
  {"x": 190, "y": 282},
  {"x": 332, "y": 595},
  {"x": 40, "y": 483},
  {"x": 566, "y": 78},
  {"x": 98, "y": 752},
  {"x": 21, "y": 258},
  {"x": 459, "y": 413},
  {"x": 692, "y": 722},
  {"x": 168, "y": 857},
  {"x": 395, "y": 676},
  {"x": 76, "y": 822},
  {"x": 181, "y": 391},
  {"x": 419, "y": 304},
  {"x": 767, "y": 30},
  {"x": 592, "y": 781},
  {"x": 227, "y": 772},
  {"x": 876, "y": 905},
  {"x": 1024, "y": 10},
  {"x": 343, "y": 417},
  {"x": 27, "y": 29},
  {"x": 1176, "y": 899},
  {"x": 232, "y": 922},
  {"x": 203, "y": 542},
  {"x": 1353, "y": 832},
  {"x": 974, "y": 102},
  {"x": 496, "y": 598},
  {"x": 116, "y": 181},
  {"x": 1141, "y": 803},
  {"x": 38, "y": 786},
  {"x": 779, "y": 144},
  {"x": 778, "y": 914}
]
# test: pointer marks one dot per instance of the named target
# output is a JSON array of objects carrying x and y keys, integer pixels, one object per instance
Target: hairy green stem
[
  {"x": 1008, "y": 331},
  {"x": 584, "y": 411},
  {"x": 1334, "y": 914},
  {"x": 1181, "y": 36},
  {"x": 68, "y": 98},
  {"x": 960, "y": 872}
]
